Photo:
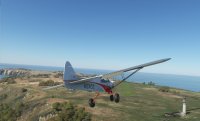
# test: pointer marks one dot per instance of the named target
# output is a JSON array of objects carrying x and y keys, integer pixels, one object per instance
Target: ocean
[{"x": 191, "y": 83}]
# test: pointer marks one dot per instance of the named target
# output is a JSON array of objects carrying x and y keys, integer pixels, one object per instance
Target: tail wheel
[
  {"x": 116, "y": 97},
  {"x": 111, "y": 97},
  {"x": 91, "y": 102}
]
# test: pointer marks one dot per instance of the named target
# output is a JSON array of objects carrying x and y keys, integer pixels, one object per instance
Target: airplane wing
[
  {"x": 85, "y": 79},
  {"x": 109, "y": 75}
]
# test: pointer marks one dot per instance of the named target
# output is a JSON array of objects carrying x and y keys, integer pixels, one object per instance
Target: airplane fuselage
[{"x": 97, "y": 84}]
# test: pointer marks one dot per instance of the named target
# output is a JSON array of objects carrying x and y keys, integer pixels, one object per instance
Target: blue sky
[{"x": 102, "y": 34}]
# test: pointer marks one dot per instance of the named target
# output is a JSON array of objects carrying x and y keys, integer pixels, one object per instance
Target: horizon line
[{"x": 99, "y": 69}]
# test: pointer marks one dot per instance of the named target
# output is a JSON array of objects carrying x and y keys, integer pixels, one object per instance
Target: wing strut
[{"x": 127, "y": 77}]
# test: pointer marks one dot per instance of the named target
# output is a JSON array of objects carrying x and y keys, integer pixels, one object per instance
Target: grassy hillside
[{"x": 138, "y": 102}]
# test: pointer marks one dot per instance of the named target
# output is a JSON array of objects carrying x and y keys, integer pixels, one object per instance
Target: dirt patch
[
  {"x": 29, "y": 83},
  {"x": 18, "y": 80},
  {"x": 1, "y": 88},
  {"x": 148, "y": 88},
  {"x": 103, "y": 112},
  {"x": 54, "y": 100},
  {"x": 166, "y": 94}
]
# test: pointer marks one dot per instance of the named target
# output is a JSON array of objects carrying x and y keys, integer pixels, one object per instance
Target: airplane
[{"x": 99, "y": 83}]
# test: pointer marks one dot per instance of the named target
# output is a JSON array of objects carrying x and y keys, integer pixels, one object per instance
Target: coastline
[{"x": 177, "y": 81}]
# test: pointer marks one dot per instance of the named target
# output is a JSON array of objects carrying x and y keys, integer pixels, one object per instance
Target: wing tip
[{"x": 166, "y": 59}]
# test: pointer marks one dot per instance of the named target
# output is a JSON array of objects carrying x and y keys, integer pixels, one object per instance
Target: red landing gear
[{"x": 115, "y": 97}]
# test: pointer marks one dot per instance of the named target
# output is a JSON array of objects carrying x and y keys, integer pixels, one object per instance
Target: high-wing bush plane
[{"x": 100, "y": 83}]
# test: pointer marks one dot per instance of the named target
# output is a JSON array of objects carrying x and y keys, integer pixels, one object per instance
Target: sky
[{"x": 102, "y": 34}]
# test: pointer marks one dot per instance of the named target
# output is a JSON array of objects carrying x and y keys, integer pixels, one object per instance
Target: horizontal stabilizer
[{"x": 52, "y": 87}]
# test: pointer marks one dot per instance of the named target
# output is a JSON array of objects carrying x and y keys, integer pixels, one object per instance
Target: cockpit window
[{"x": 104, "y": 80}]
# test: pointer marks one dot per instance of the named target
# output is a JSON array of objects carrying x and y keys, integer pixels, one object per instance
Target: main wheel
[
  {"x": 91, "y": 102},
  {"x": 116, "y": 97},
  {"x": 111, "y": 97}
]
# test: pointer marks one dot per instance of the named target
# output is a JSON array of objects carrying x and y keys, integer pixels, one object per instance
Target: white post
[{"x": 184, "y": 108}]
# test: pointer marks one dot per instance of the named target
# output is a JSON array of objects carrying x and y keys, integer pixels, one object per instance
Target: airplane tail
[{"x": 69, "y": 73}]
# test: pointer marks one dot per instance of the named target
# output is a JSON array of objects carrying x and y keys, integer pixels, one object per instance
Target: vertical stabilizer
[{"x": 69, "y": 73}]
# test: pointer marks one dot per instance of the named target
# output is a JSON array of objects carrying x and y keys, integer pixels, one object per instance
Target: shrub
[
  {"x": 4, "y": 96},
  {"x": 57, "y": 106},
  {"x": 9, "y": 80},
  {"x": 19, "y": 108},
  {"x": 68, "y": 112},
  {"x": 164, "y": 89},
  {"x": 41, "y": 76},
  {"x": 24, "y": 90},
  {"x": 7, "y": 113},
  {"x": 48, "y": 83},
  {"x": 58, "y": 75}
]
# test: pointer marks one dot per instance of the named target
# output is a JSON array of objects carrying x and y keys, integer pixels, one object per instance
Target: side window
[{"x": 104, "y": 81}]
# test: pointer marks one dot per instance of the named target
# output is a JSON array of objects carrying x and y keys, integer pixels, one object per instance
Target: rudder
[{"x": 69, "y": 73}]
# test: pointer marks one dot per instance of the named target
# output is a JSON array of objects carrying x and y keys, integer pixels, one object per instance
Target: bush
[
  {"x": 24, "y": 90},
  {"x": 41, "y": 76},
  {"x": 48, "y": 83},
  {"x": 164, "y": 89},
  {"x": 7, "y": 113},
  {"x": 4, "y": 96},
  {"x": 9, "y": 80},
  {"x": 19, "y": 108},
  {"x": 58, "y": 75},
  {"x": 57, "y": 106},
  {"x": 68, "y": 112}
]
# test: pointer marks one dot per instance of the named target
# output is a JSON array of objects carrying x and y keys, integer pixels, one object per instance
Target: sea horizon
[
  {"x": 185, "y": 82},
  {"x": 60, "y": 68}
]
